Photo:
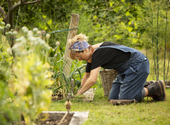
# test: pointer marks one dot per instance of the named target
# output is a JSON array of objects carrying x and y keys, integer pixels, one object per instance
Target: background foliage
[
  {"x": 142, "y": 24},
  {"x": 121, "y": 21}
]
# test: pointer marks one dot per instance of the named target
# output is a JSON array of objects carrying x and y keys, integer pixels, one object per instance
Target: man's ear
[{"x": 86, "y": 50}]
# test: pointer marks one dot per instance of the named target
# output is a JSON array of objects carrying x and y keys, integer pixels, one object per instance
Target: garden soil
[{"x": 51, "y": 119}]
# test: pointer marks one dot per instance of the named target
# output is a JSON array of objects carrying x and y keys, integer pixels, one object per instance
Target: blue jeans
[{"x": 129, "y": 84}]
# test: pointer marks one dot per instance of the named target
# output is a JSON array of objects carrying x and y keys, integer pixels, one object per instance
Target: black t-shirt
[{"x": 105, "y": 56}]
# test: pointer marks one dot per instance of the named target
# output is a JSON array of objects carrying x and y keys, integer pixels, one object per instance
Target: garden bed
[
  {"x": 74, "y": 118},
  {"x": 55, "y": 118},
  {"x": 59, "y": 118}
]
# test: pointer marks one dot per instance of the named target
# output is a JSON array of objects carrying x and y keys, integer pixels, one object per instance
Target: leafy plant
[
  {"x": 7, "y": 107},
  {"x": 62, "y": 82},
  {"x": 32, "y": 75},
  {"x": 31, "y": 80},
  {"x": 26, "y": 76},
  {"x": 76, "y": 75}
]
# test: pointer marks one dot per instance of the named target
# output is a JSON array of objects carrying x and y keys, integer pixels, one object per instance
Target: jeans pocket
[{"x": 134, "y": 69}]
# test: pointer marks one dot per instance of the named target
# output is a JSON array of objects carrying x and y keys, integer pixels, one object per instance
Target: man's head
[{"x": 79, "y": 47}]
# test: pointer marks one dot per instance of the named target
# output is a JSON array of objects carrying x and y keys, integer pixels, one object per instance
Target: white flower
[
  {"x": 57, "y": 43},
  {"x": 1, "y": 28},
  {"x": 15, "y": 33},
  {"x": 20, "y": 39},
  {"x": 32, "y": 39},
  {"x": 47, "y": 36},
  {"x": 8, "y": 26},
  {"x": 35, "y": 30},
  {"x": 6, "y": 33},
  {"x": 25, "y": 31},
  {"x": 3, "y": 23},
  {"x": 15, "y": 46},
  {"x": 26, "y": 83},
  {"x": 47, "y": 46},
  {"x": 10, "y": 33},
  {"x": 23, "y": 28},
  {"x": 39, "y": 33},
  {"x": 42, "y": 42},
  {"x": 30, "y": 33}
]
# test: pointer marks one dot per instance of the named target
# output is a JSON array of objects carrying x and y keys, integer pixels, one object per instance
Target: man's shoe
[
  {"x": 157, "y": 90},
  {"x": 149, "y": 83}
]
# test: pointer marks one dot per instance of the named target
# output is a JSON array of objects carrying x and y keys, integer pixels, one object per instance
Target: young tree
[{"x": 8, "y": 17}]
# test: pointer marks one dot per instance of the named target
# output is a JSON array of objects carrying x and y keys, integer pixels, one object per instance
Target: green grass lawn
[{"x": 101, "y": 112}]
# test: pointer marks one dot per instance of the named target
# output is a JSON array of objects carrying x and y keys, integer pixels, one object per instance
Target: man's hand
[
  {"x": 79, "y": 91},
  {"x": 77, "y": 96}
]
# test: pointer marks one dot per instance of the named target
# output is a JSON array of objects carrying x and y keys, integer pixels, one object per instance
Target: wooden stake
[
  {"x": 63, "y": 118},
  {"x": 73, "y": 24},
  {"x": 72, "y": 87}
]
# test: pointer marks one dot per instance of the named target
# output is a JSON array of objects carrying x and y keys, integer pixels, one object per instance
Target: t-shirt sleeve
[
  {"x": 88, "y": 67},
  {"x": 102, "y": 57},
  {"x": 99, "y": 58}
]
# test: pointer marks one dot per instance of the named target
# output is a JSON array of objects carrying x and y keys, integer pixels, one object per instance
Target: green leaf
[
  {"x": 95, "y": 17},
  {"x": 57, "y": 88},
  {"x": 123, "y": 24},
  {"x": 134, "y": 40},
  {"x": 79, "y": 72},
  {"x": 129, "y": 29},
  {"x": 44, "y": 16},
  {"x": 111, "y": 4},
  {"x": 77, "y": 83},
  {"x": 118, "y": 36},
  {"x": 49, "y": 22},
  {"x": 64, "y": 76},
  {"x": 127, "y": 13}
]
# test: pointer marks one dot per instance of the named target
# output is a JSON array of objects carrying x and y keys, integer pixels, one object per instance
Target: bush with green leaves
[
  {"x": 9, "y": 112},
  {"x": 7, "y": 107},
  {"x": 32, "y": 75},
  {"x": 27, "y": 77}
]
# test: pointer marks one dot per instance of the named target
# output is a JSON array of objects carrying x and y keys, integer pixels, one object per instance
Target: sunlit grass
[{"x": 101, "y": 112}]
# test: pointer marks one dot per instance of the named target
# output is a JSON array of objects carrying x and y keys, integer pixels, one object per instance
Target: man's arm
[
  {"x": 90, "y": 81},
  {"x": 85, "y": 77}
]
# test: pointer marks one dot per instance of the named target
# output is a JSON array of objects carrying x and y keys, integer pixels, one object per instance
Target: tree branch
[
  {"x": 32, "y": 2},
  {"x": 23, "y": 2},
  {"x": 2, "y": 12}
]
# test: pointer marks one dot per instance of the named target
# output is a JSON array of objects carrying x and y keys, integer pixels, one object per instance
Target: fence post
[{"x": 73, "y": 24}]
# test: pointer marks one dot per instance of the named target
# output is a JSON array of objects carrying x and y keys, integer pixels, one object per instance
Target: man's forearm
[
  {"x": 83, "y": 82},
  {"x": 84, "y": 79},
  {"x": 91, "y": 80},
  {"x": 88, "y": 84}
]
